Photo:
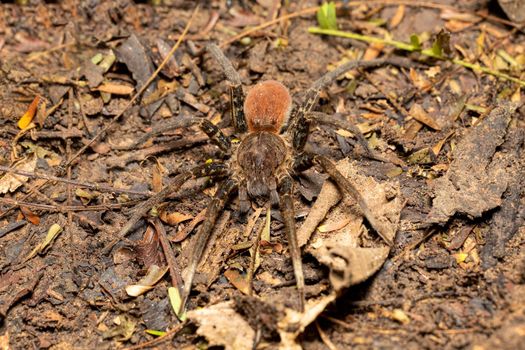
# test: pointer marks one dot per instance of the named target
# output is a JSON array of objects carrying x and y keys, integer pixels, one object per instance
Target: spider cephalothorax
[{"x": 270, "y": 153}]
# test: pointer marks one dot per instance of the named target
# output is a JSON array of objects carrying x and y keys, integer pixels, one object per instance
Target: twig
[
  {"x": 11, "y": 227},
  {"x": 68, "y": 156},
  {"x": 94, "y": 187},
  {"x": 268, "y": 24},
  {"x": 65, "y": 208},
  {"x": 168, "y": 335},
  {"x": 176, "y": 279},
  {"x": 62, "y": 134}
]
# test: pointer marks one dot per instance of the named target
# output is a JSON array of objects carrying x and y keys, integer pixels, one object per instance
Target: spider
[{"x": 271, "y": 151}]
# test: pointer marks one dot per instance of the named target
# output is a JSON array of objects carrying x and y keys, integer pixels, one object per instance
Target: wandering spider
[{"x": 271, "y": 151}]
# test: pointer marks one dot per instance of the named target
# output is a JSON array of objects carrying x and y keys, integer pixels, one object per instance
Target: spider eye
[{"x": 267, "y": 106}]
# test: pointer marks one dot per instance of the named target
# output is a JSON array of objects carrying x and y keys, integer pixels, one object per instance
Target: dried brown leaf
[
  {"x": 10, "y": 182},
  {"x": 398, "y": 16},
  {"x": 173, "y": 218},
  {"x": 235, "y": 277},
  {"x": 182, "y": 234},
  {"x": 334, "y": 225},
  {"x": 115, "y": 89},
  {"x": 350, "y": 264},
  {"x": 30, "y": 216},
  {"x": 294, "y": 323},
  {"x": 147, "y": 282},
  {"x": 28, "y": 116},
  {"x": 477, "y": 177},
  {"x": 156, "y": 181},
  {"x": 222, "y": 326},
  {"x": 418, "y": 113}
]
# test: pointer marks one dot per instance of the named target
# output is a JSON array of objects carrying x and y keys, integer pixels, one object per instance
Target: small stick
[
  {"x": 346, "y": 186},
  {"x": 94, "y": 187},
  {"x": 65, "y": 208},
  {"x": 11, "y": 227}
]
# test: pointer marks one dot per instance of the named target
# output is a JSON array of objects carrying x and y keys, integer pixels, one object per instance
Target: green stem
[{"x": 408, "y": 47}]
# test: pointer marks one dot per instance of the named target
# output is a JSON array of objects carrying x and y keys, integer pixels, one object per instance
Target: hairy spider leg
[
  {"x": 236, "y": 93},
  {"x": 214, "y": 169},
  {"x": 214, "y": 133},
  {"x": 203, "y": 235},
  {"x": 288, "y": 214}
]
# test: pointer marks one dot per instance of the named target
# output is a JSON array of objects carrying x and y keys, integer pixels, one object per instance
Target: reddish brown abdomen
[{"x": 267, "y": 106}]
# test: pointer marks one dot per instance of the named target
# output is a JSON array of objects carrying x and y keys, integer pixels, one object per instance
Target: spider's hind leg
[
  {"x": 213, "y": 132},
  {"x": 203, "y": 235},
  {"x": 288, "y": 214},
  {"x": 209, "y": 169}
]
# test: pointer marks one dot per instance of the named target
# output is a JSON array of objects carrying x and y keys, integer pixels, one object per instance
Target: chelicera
[{"x": 271, "y": 151}]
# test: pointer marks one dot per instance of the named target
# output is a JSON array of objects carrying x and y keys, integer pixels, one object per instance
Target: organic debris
[{"x": 477, "y": 177}]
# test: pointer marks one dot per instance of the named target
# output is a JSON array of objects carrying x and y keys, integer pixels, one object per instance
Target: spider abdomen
[{"x": 267, "y": 106}]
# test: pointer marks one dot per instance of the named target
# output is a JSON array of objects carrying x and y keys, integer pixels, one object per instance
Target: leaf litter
[{"x": 335, "y": 233}]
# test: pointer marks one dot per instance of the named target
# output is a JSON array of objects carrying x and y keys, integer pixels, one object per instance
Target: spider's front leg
[
  {"x": 203, "y": 235},
  {"x": 299, "y": 123},
  {"x": 236, "y": 93},
  {"x": 213, "y": 132},
  {"x": 288, "y": 214}
]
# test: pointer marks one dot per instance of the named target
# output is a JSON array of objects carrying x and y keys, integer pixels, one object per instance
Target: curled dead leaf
[
  {"x": 10, "y": 182},
  {"x": 52, "y": 233},
  {"x": 239, "y": 281},
  {"x": 115, "y": 89},
  {"x": 173, "y": 218},
  {"x": 28, "y": 116},
  {"x": 294, "y": 323},
  {"x": 147, "y": 282},
  {"x": 30, "y": 216},
  {"x": 334, "y": 225}
]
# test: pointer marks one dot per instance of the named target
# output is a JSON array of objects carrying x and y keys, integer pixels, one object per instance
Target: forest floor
[{"x": 434, "y": 146}]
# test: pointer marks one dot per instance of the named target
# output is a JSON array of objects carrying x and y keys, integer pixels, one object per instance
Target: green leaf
[
  {"x": 326, "y": 16},
  {"x": 155, "y": 333},
  {"x": 414, "y": 40},
  {"x": 436, "y": 49},
  {"x": 176, "y": 302},
  {"x": 53, "y": 232}
]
